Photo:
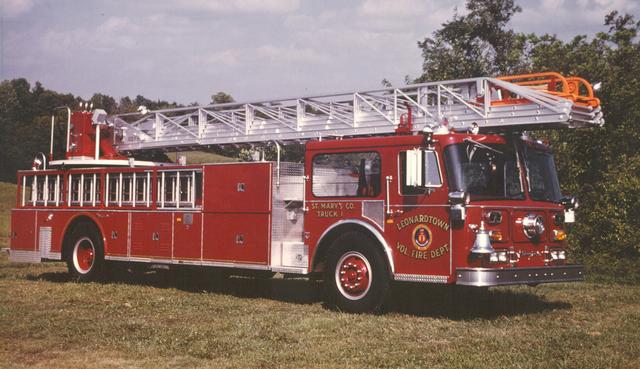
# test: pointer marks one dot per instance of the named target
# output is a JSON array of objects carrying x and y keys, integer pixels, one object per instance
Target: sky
[{"x": 187, "y": 50}]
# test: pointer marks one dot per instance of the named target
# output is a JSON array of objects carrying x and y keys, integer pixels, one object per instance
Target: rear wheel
[
  {"x": 85, "y": 259},
  {"x": 356, "y": 277}
]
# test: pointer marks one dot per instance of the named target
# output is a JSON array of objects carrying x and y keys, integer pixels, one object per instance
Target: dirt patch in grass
[{"x": 194, "y": 319}]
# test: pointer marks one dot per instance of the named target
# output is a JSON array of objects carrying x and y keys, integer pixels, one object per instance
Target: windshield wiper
[{"x": 476, "y": 143}]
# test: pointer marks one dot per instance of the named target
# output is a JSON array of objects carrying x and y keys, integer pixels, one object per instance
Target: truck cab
[{"x": 437, "y": 207}]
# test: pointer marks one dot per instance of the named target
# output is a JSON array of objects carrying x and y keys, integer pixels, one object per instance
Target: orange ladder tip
[{"x": 573, "y": 88}]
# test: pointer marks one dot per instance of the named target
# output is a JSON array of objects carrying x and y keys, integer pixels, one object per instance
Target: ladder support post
[
  {"x": 487, "y": 97},
  {"x": 248, "y": 118},
  {"x": 300, "y": 113},
  {"x": 395, "y": 106},
  {"x": 439, "y": 102},
  {"x": 356, "y": 109},
  {"x": 158, "y": 126},
  {"x": 202, "y": 121}
]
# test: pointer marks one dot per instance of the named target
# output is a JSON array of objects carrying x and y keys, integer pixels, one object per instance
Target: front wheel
[
  {"x": 356, "y": 277},
  {"x": 85, "y": 258}
]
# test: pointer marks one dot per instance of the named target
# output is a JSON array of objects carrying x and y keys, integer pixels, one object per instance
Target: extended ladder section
[{"x": 545, "y": 100}]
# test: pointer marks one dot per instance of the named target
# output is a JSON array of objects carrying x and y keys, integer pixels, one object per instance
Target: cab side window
[{"x": 353, "y": 174}]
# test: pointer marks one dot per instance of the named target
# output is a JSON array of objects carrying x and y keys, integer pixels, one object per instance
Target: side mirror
[
  {"x": 569, "y": 202},
  {"x": 458, "y": 200}
]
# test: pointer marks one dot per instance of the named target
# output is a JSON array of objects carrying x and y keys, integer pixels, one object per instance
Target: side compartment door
[
  {"x": 187, "y": 227},
  {"x": 151, "y": 235},
  {"x": 116, "y": 226},
  {"x": 237, "y": 218},
  {"x": 240, "y": 238},
  {"x": 23, "y": 226}
]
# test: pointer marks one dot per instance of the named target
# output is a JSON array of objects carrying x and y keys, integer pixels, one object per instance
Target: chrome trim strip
[
  {"x": 289, "y": 270},
  {"x": 421, "y": 278},
  {"x": 54, "y": 256},
  {"x": 483, "y": 277},
  {"x": 24, "y": 256},
  {"x": 116, "y": 258},
  {"x": 190, "y": 262},
  {"x": 235, "y": 265},
  {"x": 370, "y": 228}
]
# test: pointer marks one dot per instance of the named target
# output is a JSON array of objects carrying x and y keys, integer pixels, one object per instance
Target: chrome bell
[{"x": 482, "y": 244}]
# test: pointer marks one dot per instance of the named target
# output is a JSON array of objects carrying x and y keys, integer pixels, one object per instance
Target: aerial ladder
[{"x": 485, "y": 104}]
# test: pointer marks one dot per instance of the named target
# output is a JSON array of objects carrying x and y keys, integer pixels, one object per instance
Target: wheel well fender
[
  {"x": 71, "y": 225},
  {"x": 339, "y": 228}
]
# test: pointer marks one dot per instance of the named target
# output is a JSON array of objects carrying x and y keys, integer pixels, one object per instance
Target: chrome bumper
[{"x": 484, "y": 277}]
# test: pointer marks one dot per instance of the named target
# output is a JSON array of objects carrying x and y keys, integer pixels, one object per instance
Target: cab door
[{"x": 421, "y": 231}]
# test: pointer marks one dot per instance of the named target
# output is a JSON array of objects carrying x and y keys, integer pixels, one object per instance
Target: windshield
[
  {"x": 542, "y": 177},
  {"x": 484, "y": 171}
]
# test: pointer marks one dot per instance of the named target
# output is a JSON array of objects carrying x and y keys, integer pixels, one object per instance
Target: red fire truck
[{"x": 433, "y": 183}]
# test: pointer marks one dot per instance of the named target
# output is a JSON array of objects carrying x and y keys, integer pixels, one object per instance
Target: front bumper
[{"x": 485, "y": 277}]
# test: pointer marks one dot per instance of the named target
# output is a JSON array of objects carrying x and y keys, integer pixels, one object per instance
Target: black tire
[
  {"x": 356, "y": 276},
  {"x": 85, "y": 256}
]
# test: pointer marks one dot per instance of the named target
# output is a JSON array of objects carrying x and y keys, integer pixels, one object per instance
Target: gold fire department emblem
[{"x": 422, "y": 237}]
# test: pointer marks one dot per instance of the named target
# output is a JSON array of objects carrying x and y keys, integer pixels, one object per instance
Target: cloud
[
  {"x": 120, "y": 33},
  {"x": 14, "y": 8},
  {"x": 290, "y": 54},
  {"x": 261, "y": 54},
  {"x": 586, "y": 16},
  {"x": 400, "y": 15},
  {"x": 248, "y": 6},
  {"x": 393, "y": 8}
]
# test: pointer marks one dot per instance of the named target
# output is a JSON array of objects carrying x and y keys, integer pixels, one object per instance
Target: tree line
[
  {"x": 601, "y": 166},
  {"x": 25, "y": 120}
]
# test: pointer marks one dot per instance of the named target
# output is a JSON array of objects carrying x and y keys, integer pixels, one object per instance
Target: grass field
[
  {"x": 201, "y": 157},
  {"x": 162, "y": 319},
  {"x": 7, "y": 201}
]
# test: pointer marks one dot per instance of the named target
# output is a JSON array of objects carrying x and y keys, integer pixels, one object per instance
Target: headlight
[{"x": 533, "y": 225}]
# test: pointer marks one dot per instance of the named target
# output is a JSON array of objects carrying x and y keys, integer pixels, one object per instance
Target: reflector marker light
[
  {"x": 495, "y": 236},
  {"x": 559, "y": 235}
]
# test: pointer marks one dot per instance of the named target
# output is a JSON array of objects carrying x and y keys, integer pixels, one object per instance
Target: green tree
[
  {"x": 476, "y": 44},
  {"x": 101, "y": 101},
  {"x": 221, "y": 98},
  {"x": 25, "y": 123}
]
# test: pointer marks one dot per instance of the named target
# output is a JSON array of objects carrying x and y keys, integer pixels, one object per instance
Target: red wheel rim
[
  {"x": 353, "y": 275},
  {"x": 84, "y": 255}
]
